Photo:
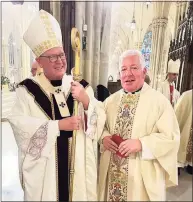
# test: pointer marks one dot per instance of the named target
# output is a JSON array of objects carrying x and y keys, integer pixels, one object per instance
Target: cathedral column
[
  {"x": 25, "y": 50},
  {"x": 180, "y": 11},
  {"x": 105, "y": 43},
  {"x": 159, "y": 24},
  {"x": 6, "y": 58},
  {"x": 95, "y": 57},
  {"x": 16, "y": 45},
  {"x": 183, "y": 8},
  {"x": 177, "y": 18},
  {"x": 56, "y": 9},
  {"x": 25, "y": 69},
  {"x": 3, "y": 57},
  {"x": 89, "y": 53},
  {"x": 67, "y": 22},
  {"x": 97, "y": 18},
  {"x": 79, "y": 23},
  {"x": 139, "y": 43},
  {"x": 45, "y": 5}
]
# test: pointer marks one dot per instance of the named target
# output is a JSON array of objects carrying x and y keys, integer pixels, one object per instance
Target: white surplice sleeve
[
  {"x": 146, "y": 153},
  {"x": 35, "y": 136},
  {"x": 105, "y": 132},
  {"x": 96, "y": 116},
  {"x": 163, "y": 141}
]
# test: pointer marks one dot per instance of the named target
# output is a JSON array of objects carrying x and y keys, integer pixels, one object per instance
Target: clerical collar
[
  {"x": 134, "y": 91},
  {"x": 171, "y": 83},
  {"x": 56, "y": 83}
]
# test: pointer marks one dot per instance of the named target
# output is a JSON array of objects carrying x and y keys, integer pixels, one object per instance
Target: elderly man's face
[
  {"x": 132, "y": 74},
  {"x": 53, "y": 63},
  {"x": 172, "y": 77}
]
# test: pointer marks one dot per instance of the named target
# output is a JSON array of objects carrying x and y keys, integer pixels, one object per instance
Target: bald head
[{"x": 35, "y": 68}]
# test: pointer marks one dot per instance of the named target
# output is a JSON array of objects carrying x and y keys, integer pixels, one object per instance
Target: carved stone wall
[
  {"x": 45, "y": 5},
  {"x": 182, "y": 48},
  {"x": 67, "y": 22}
]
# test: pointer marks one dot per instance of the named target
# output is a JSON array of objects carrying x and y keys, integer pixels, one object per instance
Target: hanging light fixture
[
  {"x": 148, "y": 3},
  {"x": 133, "y": 22}
]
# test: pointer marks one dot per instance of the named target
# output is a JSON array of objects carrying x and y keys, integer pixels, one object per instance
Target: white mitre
[
  {"x": 174, "y": 66},
  {"x": 43, "y": 33}
]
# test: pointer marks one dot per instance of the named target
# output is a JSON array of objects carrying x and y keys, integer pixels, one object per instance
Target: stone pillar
[
  {"x": 140, "y": 37},
  {"x": 79, "y": 22},
  {"x": 98, "y": 27},
  {"x": 6, "y": 59},
  {"x": 158, "y": 35},
  {"x": 67, "y": 22},
  {"x": 105, "y": 44},
  {"x": 45, "y": 5},
  {"x": 158, "y": 38},
  {"x": 186, "y": 9},
  {"x": 180, "y": 12},
  {"x": 183, "y": 8},
  {"x": 25, "y": 50},
  {"x": 177, "y": 19},
  {"x": 15, "y": 69},
  {"x": 89, "y": 53},
  {"x": 25, "y": 68},
  {"x": 56, "y": 10},
  {"x": 95, "y": 59},
  {"x": 3, "y": 57}
]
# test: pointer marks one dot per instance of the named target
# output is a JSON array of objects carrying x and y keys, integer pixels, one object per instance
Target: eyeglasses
[{"x": 54, "y": 58}]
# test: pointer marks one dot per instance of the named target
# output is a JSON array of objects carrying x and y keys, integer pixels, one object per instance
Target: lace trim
[
  {"x": 92, "y": 124},
  {"x": 38, "y": 141}
]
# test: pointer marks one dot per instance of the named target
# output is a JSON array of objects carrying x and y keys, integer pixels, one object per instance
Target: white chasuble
[
  {"x": 165, "y": 90},
  {"x": 35, "y": 126},
  {"x": 143, "y": 176},
  {"x": 183, "y": 111}
]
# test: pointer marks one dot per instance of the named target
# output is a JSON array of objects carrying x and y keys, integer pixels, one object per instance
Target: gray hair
[{"x": 131, "y": 53}]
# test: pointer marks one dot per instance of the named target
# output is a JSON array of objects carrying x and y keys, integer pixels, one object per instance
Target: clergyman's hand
[
  {"x": 109, "y": 144},
  {"x": 79, "y": 93},
  {"x": 70, "y": 123},
  {"x": 130, "y": 146}
]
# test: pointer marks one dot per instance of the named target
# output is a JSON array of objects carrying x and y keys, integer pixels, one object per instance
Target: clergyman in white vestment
[
  {"x": 140, "y": 141},
  {"x": 42, "y": 120},
  {"x": 183, "y": 111},
  {"x": 167, "y": 87}
]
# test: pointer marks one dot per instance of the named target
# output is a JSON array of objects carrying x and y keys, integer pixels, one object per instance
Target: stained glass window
[{"x": 146, "y": 48}]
